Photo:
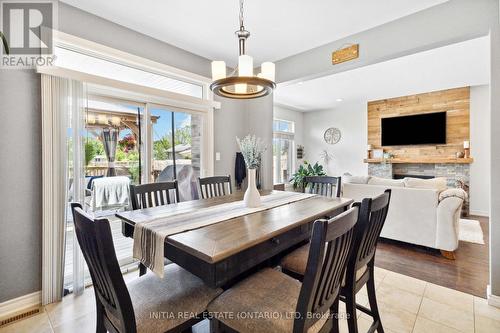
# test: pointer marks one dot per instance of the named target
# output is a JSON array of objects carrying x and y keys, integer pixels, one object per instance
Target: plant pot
[{"x": 252, "y": 195}]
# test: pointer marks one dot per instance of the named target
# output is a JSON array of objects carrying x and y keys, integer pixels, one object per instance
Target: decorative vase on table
[
  {"x": 252, "y": 149},
  {"x": 252, "y": 195}
]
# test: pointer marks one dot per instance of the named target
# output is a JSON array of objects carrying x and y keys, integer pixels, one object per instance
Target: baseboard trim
[
  {"x": 493, "y": 300},
  {"x": 19, "y": 304},
  {"x": 479, "y": 213}
]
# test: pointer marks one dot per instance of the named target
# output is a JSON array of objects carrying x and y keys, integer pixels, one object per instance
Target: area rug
[{"x": 470, "y": 231}]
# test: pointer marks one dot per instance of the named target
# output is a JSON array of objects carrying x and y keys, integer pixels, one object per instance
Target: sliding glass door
[
  {"x": 110, "y": 135},
  {"x": 176, "y": 144}
]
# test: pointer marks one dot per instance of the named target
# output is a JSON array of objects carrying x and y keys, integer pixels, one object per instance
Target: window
[
  {"x": 93, "y": 65},
  {"x": 283, "y": 126},
  {"x": 283, "y": 147}
]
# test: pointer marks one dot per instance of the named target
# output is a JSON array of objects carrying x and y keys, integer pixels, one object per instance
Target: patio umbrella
[{"x": 110, "y": 141}]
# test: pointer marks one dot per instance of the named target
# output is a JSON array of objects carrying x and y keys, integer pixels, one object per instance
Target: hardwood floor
[{"x": 468, "y": 273}]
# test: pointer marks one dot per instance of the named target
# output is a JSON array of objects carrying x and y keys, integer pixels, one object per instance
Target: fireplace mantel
[{"x": 424, "y": 160}]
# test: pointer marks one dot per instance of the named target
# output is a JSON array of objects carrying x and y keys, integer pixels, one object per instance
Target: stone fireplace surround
[{"x": 457, "y": 174}]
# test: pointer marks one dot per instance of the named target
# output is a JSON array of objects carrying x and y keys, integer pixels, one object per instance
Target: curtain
[
  {"x": 61, "y": 105},
  {"x": 110, "y": 140}
]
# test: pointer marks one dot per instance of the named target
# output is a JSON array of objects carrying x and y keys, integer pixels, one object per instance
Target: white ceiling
[
  {"x": 279, "y": 28},
  {"x": 457, "y": 65}
]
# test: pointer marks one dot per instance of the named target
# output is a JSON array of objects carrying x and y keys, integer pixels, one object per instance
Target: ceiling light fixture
[{"x": 245, "y": 84}]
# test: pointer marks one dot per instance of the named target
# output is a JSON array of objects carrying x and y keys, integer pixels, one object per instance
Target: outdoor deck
[{"x": 123, "y": 248}]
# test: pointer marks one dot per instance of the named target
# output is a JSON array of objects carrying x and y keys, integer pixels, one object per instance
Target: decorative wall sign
[
  {"x": 332, "y": 135},
  {"x": 345, "y": 54},
  {"x": 300, "y": 152}
]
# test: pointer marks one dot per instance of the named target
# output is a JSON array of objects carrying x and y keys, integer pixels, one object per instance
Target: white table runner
[{"x": 149, "y": 236}]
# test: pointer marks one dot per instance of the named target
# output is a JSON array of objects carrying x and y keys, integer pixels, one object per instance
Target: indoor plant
[
  {"x": 252, "y": 149},
  {"x": 303, "y": 171}
]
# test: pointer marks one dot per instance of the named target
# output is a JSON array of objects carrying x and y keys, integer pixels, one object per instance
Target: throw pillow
[
  {"x": 439, "y": 183},
  {"x": 386, "y": 182},
  {"x": 355, "y": 179}
]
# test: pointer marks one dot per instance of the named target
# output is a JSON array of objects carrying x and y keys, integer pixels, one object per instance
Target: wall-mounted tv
[{"x": 422, "y": 129}]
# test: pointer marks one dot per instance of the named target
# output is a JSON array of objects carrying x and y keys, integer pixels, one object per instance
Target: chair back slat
[
  {"x": 96, "y": 242},
  {"x": 324, "y": 185},
  {"x": 372, "y": 216},
  {"x": 331, "y": 244},
  {"x": 214, "y": 186},
  {"x": 154, "y": 194}
]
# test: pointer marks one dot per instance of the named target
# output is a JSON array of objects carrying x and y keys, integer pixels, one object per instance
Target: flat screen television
[{"x": 422, "y": 129}]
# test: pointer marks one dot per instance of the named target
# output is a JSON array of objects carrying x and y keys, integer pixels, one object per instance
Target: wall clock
[{"x": 332, "y": 135}]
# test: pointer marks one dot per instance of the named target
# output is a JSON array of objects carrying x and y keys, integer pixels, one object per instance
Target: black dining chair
[
  {"x": 154, "y": 194},
  {"x": 214, "y": 186},
  {"x": 311, "y": 306},
  {"x": 131, "y": 308},
  {"x": 151, "y": 195},
  {"x": 324, "y": 185},
  {"x": 360, "y": 269}
]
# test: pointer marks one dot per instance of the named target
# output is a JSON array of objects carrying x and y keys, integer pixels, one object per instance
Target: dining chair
[
  {"x": 286, "y": 304},
  {"x": 360, "y": 270},
  {"x": 215, "y": 186},
  {"x": 152, "y": 195},
  {"x": 324, "y": 185},
  {"x": 145, "y": 304}
]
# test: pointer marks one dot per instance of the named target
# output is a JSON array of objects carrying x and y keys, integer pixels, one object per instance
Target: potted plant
[
  {"x": 306, "y": 169},
  {"x": 252, "y": 149}
]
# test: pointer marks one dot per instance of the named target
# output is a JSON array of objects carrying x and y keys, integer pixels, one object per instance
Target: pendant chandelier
[{"x": 242, "y": 83}]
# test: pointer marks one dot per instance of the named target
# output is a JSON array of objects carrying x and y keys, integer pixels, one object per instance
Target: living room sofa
[{"x": 421, "y": 212}]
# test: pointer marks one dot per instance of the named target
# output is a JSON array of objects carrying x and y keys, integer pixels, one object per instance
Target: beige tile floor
[{"x": 406, "y": 305}]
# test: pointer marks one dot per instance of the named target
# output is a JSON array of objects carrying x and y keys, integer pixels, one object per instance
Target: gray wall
[
  {"x": 237, "y": 118},
  {"x": 495, "y": 159},
  {"x": 20, "y": 179},
  {"x": 20, "y": 148}
]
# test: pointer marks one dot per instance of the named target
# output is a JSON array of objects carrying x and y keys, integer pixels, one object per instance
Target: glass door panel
[
  {"x": 282, "y": 159},
  {"x": 163, "y": 168},
  {"x": 111, "y": 147},
  {"x": 187, "y": 153},
  {"x": 176, "y": 149}
]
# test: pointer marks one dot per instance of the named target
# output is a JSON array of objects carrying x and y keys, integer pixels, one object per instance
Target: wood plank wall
[{"x": 454, "y": 101}]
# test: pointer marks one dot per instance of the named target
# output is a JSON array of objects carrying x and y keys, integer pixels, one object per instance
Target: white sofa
[{"x": 422, "y": 216}]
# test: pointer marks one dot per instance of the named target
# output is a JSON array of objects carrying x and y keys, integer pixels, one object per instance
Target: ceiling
[
  {"x": 279, "y": 28},
  {"x": 456, "y": 65}
]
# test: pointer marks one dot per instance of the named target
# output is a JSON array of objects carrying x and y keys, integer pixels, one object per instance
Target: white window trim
[
  {"x": 141, "y": 93},
  {"x": 90, "y": 48}
]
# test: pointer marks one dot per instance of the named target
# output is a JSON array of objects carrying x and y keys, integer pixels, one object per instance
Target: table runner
[{"x": 149, "y": 236}]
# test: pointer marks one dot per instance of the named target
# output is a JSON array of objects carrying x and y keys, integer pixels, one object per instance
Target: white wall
[
  {"x": 348, "y": 154},
  {"x": 480, "y": 150}
]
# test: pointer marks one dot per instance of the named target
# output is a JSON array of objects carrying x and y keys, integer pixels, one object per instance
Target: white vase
[{"x": 252, "y": 195}]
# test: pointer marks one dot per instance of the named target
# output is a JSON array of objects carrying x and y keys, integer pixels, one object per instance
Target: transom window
[{"x": 283, "y": 126}]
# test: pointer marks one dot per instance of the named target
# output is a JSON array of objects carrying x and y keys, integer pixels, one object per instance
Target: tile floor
[{"x": 406, "y": 305}]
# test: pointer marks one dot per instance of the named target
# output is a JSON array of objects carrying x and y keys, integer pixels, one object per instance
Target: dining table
[{"x": 222, "y": 252}]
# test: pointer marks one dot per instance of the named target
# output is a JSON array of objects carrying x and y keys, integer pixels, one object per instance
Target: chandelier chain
[{"x": 241, "y": 13}]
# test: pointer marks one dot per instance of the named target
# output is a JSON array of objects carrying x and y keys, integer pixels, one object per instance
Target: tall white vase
[{"x": 252, "y": 195}]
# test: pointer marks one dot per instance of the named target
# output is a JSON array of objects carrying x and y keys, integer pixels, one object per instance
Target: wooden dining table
[{"x": 220, "y": 253}]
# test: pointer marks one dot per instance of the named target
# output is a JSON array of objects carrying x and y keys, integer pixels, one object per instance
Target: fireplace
[{"x": 400, "y": 176}]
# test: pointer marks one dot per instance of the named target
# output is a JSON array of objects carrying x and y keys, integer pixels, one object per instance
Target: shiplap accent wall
[{"x": 456, "y": 103}]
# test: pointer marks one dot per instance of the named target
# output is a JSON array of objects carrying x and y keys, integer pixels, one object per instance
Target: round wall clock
[{"x": 332, "y": 135}]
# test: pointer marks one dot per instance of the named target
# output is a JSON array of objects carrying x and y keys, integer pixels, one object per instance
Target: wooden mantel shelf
[{"x": 433, "y": 160}]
